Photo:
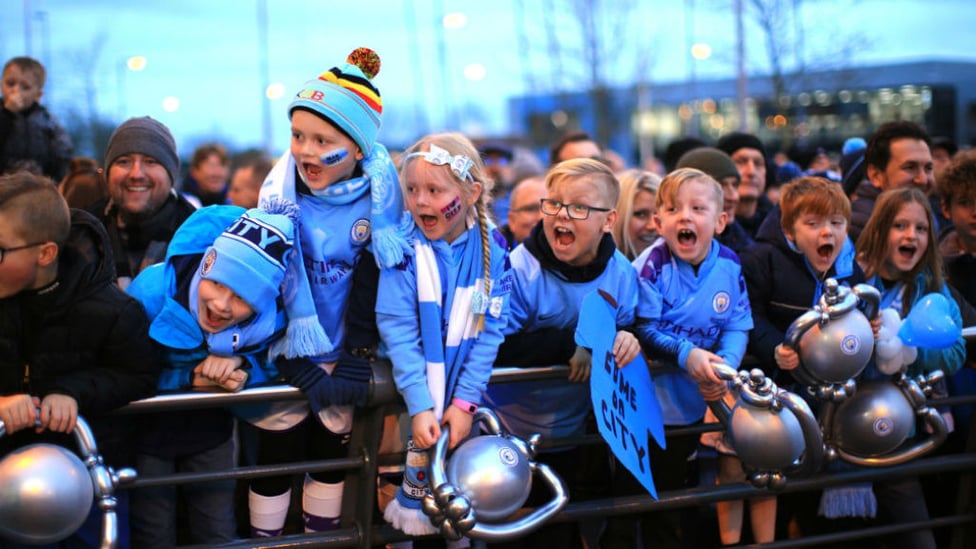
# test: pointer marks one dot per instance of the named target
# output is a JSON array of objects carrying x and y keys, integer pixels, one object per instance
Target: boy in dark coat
[{"x": 71, "y": 342}]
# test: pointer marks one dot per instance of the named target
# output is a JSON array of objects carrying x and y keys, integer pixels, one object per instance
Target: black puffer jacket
[
  {"x": 80, "y": 336},
  {"x": 781, "y": 287},
  {"x": 34, "y": 137}
]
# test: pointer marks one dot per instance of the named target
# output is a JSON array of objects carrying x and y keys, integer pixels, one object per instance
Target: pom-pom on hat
[{"x": 345, "y": 97}]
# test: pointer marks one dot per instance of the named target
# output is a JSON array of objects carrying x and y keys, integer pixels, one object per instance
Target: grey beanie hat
[
  {"x": 148, "y": 136},
  {"x": 710, "y": 160}
]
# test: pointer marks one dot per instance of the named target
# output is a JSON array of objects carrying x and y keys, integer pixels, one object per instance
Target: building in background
[{"x": 819, "y": 109}]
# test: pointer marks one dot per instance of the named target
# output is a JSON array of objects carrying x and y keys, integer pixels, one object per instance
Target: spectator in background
[
  {"x": 499, "y": 158},
  {"x": 720, "y": 167},
  {"x": 943, "y": 149},
  {"x": 245, "y": 183},
  {"x": 526, "y": 211},
  {"x": 897, "y": 154},
  {"x": 677, "y": 148},
  {"x": 577, "y": 144},
  {"x": 206, "y": 184},
  {"x": 635, "y": 229},
  {"x": 615, "y": 160},
  {"x": 749, "y": 155},
  {"x": 143, "y": 210},
  {"x": 85, "y": 183},
  {"x": 31, "y": 138}
]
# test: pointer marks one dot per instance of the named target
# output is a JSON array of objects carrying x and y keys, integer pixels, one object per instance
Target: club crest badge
[
  {"x": 208, "y": 262},
  {"x": 721, "y": 302},
  {"x": 360, "y": 231}
]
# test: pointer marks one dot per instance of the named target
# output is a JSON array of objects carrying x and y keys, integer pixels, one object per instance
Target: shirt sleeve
[{"x": 398, "y": 321}]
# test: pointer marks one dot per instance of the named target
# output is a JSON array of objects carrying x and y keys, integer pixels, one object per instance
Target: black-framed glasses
[
  {"x": 575, "y": 211},
  {"x": 4, "y": 251}
]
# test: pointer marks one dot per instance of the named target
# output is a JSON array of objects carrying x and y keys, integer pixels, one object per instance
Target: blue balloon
[{"x": 930, "y": 324}]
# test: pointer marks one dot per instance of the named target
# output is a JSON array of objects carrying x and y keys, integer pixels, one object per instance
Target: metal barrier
[{"x": 357, "y": 528}]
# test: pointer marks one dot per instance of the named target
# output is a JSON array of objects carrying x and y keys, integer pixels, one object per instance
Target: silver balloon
[
  {"x": 493, "y": 473},
  {"x": 834, "y": 339},
  {"x": 486, "y": 480},
  {"x": 45, "y": 494},
  {"x": 873, "y": 422}
]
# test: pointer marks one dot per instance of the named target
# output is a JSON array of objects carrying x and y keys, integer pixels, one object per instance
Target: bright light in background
[
  {"x": 275, "y": 91},
  {"x": 455, "y": 20},
  {"x": 171, "y": 104},
  {"x": 701, "y": 51},
  {"x": 475, "y": 72},
  {"x": 136, "y": 63}
]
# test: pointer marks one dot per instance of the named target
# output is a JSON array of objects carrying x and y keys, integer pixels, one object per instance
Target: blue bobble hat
[{"x": 346, "y": 97}]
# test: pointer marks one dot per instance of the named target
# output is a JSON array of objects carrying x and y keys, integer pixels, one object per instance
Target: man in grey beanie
[{"x": 143, "y": 210}]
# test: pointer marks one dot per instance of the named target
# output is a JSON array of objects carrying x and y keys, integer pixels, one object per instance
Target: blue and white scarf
[
  {"x": 444, "y": 354},
  {"x": 388, "y": 223}
]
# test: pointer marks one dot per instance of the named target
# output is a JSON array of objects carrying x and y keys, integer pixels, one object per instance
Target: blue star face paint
[
  {"x": 452, "y": 209},
  {"x": 334, "y": 157}
]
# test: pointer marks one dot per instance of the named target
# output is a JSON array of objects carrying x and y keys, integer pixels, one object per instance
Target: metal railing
[{"x": 358, "y": 526}]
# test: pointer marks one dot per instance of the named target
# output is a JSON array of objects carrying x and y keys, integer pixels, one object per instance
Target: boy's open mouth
[
  {"x": 687, "y": 237},
  {"x": 564, "y": 237},
  {"x": 825, "y": 250},
  {"x": 312, "y": 170},
  {"x": 214, "y": 319}
]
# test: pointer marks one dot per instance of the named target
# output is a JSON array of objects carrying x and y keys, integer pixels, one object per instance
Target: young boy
[
  {"x": 569, "y": 254},
  {"x": 352, "y": 210},
  {"x": 214, "y": 306},
  {"x": 72, "y": 342},
  {"x": 694, "y": 312},
  {"x": 31, "y": 137},
  {"x": 802, "y": 242}
]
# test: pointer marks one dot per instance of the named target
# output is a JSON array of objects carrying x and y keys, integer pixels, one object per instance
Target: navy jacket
[{"x": 782, "y": 286}]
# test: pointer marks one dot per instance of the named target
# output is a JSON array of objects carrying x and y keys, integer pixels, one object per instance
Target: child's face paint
[
  {"x": 316, "y": 146},
  {"x": 434, "y": 200},
  {"x": 452, "y": 209},
  {"x": 219, "y": 307}
]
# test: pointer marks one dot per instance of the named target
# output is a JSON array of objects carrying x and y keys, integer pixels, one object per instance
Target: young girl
[
  {"x": 635, "y": 231},
  {"x": 441, "y": 312},
  {"x": 899, "y": 254},
  {"x": 897, "y": 250},
  {"x": 345, "y": 186}
]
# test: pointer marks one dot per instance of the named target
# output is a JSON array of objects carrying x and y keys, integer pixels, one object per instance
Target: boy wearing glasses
[
  {"x": 70, "y": 340},
  {"x": 568, "y": 254}
]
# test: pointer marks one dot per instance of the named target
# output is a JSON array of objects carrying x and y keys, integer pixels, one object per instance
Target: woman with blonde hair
[{"x": 635, "y": 229}]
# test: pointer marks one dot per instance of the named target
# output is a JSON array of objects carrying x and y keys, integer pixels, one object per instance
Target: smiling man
[
  {"x": 898, "y": 154},
  {"x": 142, "y": 211}
]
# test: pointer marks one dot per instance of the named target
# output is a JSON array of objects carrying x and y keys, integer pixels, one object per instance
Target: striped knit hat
[{"x": 344, "y": 97}]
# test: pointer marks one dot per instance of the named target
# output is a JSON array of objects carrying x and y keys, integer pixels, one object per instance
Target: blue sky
[{"x": 206, "y": 53}]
